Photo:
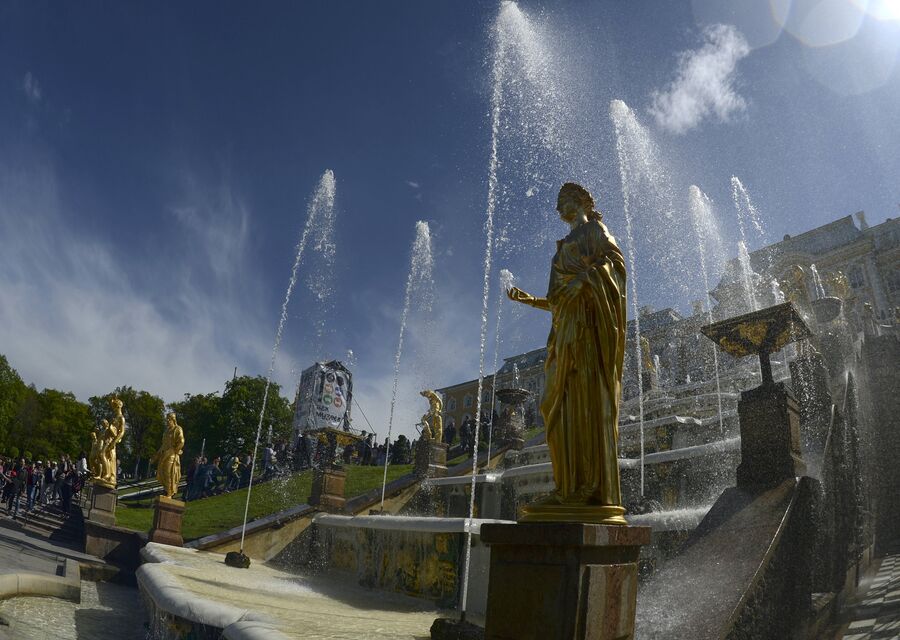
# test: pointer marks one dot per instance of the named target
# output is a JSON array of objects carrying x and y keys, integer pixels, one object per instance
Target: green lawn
[{"x": 211, "y": 515}]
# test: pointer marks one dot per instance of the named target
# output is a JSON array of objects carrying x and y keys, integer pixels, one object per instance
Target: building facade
[{"x": 860, "y": 264}]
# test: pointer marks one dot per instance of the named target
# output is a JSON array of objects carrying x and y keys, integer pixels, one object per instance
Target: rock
[
  {"x": 446, "y": 629},
  {"x": 237, "y": 559}
]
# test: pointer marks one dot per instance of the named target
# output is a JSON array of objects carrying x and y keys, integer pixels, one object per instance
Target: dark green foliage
[
  {"x": 201, "y": 415},
  {"x": 50, "y": 422},
  {"x": 240, "y": 407}
]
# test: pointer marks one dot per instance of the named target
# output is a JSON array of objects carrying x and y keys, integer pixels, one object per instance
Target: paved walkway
[{"x": 876, "y": 615}]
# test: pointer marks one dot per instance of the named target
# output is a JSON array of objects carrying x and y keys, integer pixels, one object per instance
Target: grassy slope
[{"x": 211, "y": 515}]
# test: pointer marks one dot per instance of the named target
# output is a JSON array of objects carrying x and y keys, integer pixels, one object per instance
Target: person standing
[{"x": 17, "y": 477}]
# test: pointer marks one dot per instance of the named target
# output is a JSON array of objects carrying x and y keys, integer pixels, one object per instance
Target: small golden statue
[
  {"x": 585, "y": 355},
  {"x": 795, "y": 287},
  {"x": 103, "y": 447},
  {"x": 433, "y": 421},
  {"x": 646, "y": 356},
  {"x": 168, "y": 458},
  {"x": 838, "y": 285}
]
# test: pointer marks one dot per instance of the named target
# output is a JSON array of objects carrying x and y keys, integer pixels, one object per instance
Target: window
[
  {"x": 893, "y": 280},
  {"x": 855, "y": 276},
  {"x": 451, "y": 405},
  {"x": 467, "y": 401}
]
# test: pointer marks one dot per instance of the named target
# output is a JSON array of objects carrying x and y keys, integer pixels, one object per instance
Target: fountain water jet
[
  {"x": 701, "y": 214},
  {"x": 421, "y": 266},
  {"x": 747, "y": 215},
  {"x": 506, "y": 282},
  {"x": 746, "y": 276},
  {"x": 621, "y": 114},
  {"x": 320, "y": 208}
]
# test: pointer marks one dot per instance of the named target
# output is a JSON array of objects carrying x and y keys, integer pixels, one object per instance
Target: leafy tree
[
  {"x": 240, "y": 407},
  {"x": 12, "y": 394},
  {"x": 144, "y": 418},
  {"x": 201, "y": 417},
  {"x": 401, "y": 450}
]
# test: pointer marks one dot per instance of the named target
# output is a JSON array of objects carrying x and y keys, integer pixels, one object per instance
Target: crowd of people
[{"x": 37, "y": 483}]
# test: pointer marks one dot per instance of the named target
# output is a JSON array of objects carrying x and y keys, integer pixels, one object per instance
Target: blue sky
[{"x": 156, "y": 162}]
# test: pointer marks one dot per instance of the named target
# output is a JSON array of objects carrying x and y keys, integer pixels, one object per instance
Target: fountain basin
[
  {"x": 827, "y": 309},
  {"x": 194, "y": 590}
]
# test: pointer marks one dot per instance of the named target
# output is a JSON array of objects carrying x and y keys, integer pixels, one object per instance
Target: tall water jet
[
  {"x": 506, "y": 282},
  {"x": 747, "y": 215},
  {"x": 818, "y": 287},
  {"x": 702, "y": 217},
  {"x": 320, "y": 207},
  {"x": 419, "y": 279},
  {"x": 747, "y": 276},
  {"x": 623, "y": 119},
  {"x": 320, "y": 280}
]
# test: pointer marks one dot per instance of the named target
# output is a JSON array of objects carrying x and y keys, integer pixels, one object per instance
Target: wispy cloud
[
  {"x": 32, "y": 88},
  {"x": 413, "y": 184},
  {"x": 704, "y": 82},
  {"x": 76, "y": 315}
]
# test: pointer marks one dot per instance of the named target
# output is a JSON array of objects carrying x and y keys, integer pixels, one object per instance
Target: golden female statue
[
  {"x": 433, "y": 421},
  {"x": 168, "y": 458},
  {"x": 585, "y": 355},
  {"x": 111, "y": 434}
]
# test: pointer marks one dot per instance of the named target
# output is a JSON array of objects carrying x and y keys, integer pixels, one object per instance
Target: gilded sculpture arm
[{"x": 517, "y": 295}]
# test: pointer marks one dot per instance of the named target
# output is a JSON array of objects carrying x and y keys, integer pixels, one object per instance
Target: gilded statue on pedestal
[
  {"x": 433, "y": 421},
  {"x": 585, "y": 355},
  {"x": 102, "y": 463},
  {"x": 168, "y": 458}
]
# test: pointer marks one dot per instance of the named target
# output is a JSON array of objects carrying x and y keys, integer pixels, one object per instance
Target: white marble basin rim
[{"x": 405, "y": 523}]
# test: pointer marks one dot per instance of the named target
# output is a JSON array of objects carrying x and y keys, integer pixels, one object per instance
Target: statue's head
[
  {"x": 170, "y": 418},
  {"x": 574, "y": 200},
  {"x": 115, "y": 403}
]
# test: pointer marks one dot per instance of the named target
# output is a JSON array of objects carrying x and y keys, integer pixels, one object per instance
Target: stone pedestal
[
  {"x": 167, "y": 515},
  {"x": 328, "y": 489},
  {"x": 431, "y": 459},
  {"x": 770, "y": 438},
  {"x": 562, "y": 581},
  {"x": 103, "y": 505}
]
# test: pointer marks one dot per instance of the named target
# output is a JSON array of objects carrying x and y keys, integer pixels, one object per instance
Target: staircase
[{"x": 48, "y": 522}]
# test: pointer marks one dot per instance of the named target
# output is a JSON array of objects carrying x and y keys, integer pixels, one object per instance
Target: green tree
[
  {"x": 201, "y": 417},
  {"x": 12, "y": 393},
  {"x": 144, "y": 419},
  {"x": 240, "y": 407}
]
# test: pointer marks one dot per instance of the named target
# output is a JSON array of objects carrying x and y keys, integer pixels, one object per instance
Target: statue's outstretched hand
[{"x": 517, "y": 295}]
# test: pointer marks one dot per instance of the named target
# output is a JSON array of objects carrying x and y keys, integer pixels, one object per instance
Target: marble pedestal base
[
  {"x": 103, "y": 505},
  {"x": 328, "y": 489},
  {"x": 562, "y": 581},
  {"x": 770, "y": 438},
  {"x": 167, "y": 516},
  {"x": 431, "y": 459}
]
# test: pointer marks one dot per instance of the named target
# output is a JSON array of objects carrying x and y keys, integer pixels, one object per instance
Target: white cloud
[
  {"x": 704, "y": 82},
  {"x": 413, "y": 184},
  {"x": 75, "y": 315},
  {"x": 32, "y": 88}
]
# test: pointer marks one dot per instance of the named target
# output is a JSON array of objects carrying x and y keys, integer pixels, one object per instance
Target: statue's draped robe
[
  {"x": 168, "y": 471},
  {"x": 585, "y": 354}
]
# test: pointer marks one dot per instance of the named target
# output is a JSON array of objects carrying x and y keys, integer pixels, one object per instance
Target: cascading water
[
  {"x": 419, "y": 280},
  {"x": 506, "y": 282},
  {"x": 320, "y": 209},
  {"x": 702, "y": 217}
]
